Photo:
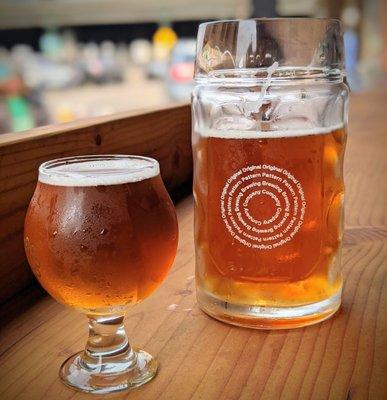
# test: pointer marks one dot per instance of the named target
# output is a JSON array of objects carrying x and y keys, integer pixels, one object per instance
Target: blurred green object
[{"x": 20, "y": 113}]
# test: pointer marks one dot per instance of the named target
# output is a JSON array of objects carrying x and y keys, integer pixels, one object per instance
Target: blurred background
[{"x": 62, "y": 60}]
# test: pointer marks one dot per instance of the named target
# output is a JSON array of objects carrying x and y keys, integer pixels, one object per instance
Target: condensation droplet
[{"x": 104, "y": 231}]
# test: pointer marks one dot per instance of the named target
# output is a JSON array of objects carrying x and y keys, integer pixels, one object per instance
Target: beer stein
[{"x": 269, "y": 132}]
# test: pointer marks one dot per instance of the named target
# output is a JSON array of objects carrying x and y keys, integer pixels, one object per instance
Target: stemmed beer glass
[{"x": 100, "y": 236}]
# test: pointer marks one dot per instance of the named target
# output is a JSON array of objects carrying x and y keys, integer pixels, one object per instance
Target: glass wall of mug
[{"x": 269, "y": 133}]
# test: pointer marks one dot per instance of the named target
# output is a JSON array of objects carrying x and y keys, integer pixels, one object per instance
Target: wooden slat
[
  {"x": 200, "y": 358},
  {"x": 43, "y": 13},
  {"x": 163, "y": 134},
  {"x": 383, "y": 33}
]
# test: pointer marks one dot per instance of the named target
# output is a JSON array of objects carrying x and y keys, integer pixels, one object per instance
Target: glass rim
[
  {"x": 290, "y": 49},
  {"x": 49, "y": 168},
  {"x": 269, "y": 19}
]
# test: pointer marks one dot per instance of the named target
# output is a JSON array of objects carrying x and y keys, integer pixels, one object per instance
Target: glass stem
[{"x": 107, "y": 349}]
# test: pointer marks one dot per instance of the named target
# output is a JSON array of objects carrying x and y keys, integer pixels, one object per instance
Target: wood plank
[
  {"x": 365, "y": 162},
  {"x": 201, "y": 358},
  {"x": 43, "y": 13},
  {"x": 164, "y": 134}
]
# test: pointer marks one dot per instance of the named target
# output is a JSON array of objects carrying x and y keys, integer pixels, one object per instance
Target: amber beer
[
  {"x": 108, "y": 239},
  {"x": 268, "y": 218}
]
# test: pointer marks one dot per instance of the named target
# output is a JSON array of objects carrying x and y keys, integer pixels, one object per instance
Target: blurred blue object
[
  {"x": 351, "y": 46},
  {"x": 351, "y": 43},
  {"x": 51, "y": 44},
  {"x": 181, "y": 69},
  {"x": 350, "y": 17}
]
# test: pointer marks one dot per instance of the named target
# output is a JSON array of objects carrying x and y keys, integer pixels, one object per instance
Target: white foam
[
  {"x": 243, "y": 134},
  {"x": 98, "y": 172}
]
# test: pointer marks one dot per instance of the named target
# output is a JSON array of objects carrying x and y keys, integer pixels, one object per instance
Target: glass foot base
[
  {"x": 264, "y": 317},
  {"x": 74, "y": 374}
]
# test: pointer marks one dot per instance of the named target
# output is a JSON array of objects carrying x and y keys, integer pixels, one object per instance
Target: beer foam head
[
  {"x": 253, "y": 134},
  {"x": 98, "y": 170}
]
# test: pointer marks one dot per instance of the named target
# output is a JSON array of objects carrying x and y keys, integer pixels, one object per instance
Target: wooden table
[{"x": 200, "y": 358}]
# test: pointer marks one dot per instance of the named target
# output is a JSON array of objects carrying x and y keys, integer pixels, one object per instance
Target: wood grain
[
  {"x": 200, "y": 358},
  {"x": 164, "y": 134}
]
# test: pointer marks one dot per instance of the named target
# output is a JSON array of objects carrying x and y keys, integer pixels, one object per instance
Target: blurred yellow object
[
  {"x": 165, "y": 36},
  {"x": 163, "y": 41},
  {"x": 64, "y": 114}
]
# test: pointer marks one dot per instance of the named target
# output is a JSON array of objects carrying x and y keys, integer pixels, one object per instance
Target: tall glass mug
[
  {"x": 101, "y": 235},
  {"x": 269, "y": 132}
]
